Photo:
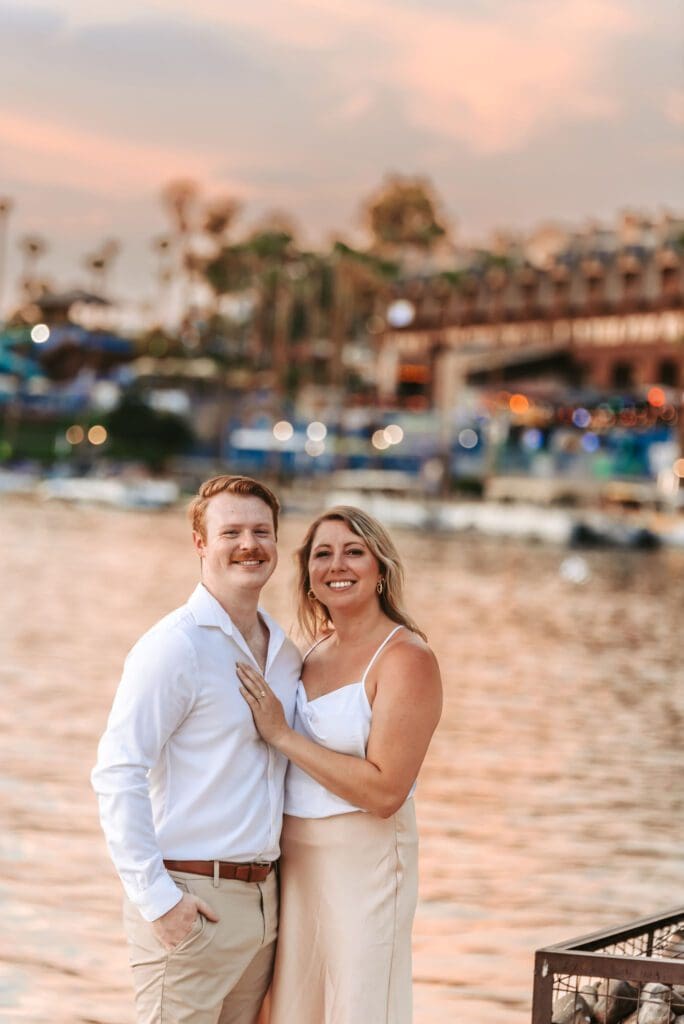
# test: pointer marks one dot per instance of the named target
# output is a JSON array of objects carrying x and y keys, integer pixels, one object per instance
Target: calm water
[{"x": 551, "y": 802}]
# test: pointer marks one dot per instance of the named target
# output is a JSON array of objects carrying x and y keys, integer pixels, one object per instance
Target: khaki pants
[{"x": 220, "y": 972}]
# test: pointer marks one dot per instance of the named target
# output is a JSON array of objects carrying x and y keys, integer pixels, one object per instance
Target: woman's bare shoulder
[
  {"x": 407, "y": 652},
  {"x": 409, "y": 680},
  {"x": 407, "y": 640}
]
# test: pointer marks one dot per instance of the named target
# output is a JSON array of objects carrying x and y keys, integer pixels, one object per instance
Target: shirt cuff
[{"x": 158, "y": 899}]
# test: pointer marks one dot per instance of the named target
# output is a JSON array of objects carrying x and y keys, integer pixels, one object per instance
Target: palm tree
[
  {"x": 32, "y": 248},
  {"x": 99, "y": 264},
  {"x": 180, "y": 199},
  {"x": 218, "y": 217},
  {"x": 262, "y": 266},
  {"x": 6, "y": 205},
  {"x": 360, "y": 290},
  {"x": 161, "y": 246}
]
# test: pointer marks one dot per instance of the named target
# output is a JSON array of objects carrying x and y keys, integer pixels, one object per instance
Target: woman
[{"x": 368, "y": 702}]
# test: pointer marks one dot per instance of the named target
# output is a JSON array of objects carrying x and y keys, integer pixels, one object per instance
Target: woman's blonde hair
[{"x": 313, "y": 616}]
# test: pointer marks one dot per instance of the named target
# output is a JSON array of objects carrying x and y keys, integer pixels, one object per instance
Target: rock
[
  {"x": 590, "y": 995},
  {"x": 678, "y": 999},
  {"x": 654, "y": 1005},
  {"x": 616, "y": 1000},
  {"x": 571, "y": 1008}
]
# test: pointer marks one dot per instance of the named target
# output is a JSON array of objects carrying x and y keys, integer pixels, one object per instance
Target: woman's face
[{"x": 342, "y": 569}]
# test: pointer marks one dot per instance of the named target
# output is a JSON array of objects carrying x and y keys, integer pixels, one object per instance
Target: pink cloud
[
  {"x": 492, "y": 85},
  {"x": 42, "y": 151},
  {"x": 489, "y": 83},
  {"x": 674, "y": 106}
]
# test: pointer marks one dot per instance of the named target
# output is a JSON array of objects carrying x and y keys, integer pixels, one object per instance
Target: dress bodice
[{"x": 339, "y": 720}]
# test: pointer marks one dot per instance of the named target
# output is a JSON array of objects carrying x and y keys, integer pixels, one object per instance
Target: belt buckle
[{"x": 261, "y": 864}]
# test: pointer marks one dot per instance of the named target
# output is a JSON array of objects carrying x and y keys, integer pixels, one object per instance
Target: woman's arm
[{"x": 406, "y": 710}]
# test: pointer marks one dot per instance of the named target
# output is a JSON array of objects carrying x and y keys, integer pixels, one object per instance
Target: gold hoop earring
[
  {"x": 310, "y": 594},
  {"x": 380, "y": 585}
]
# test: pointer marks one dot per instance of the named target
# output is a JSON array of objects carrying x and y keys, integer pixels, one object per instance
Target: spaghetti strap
[
  {"x": 385, "y": 641},
  {"x": 315, "y": 645}
]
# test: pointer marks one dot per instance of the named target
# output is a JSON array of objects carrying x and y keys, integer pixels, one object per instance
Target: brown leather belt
[{"x": 254, "y": 872}]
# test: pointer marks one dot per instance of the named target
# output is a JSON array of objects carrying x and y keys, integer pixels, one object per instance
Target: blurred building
[{"x": 595, "y": 309}]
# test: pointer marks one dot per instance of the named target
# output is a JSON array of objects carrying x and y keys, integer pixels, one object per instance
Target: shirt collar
[{"x": 207, "y": 611}]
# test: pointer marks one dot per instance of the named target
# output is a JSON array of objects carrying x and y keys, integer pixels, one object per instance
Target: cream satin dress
[{"x": 349, "y": 884}]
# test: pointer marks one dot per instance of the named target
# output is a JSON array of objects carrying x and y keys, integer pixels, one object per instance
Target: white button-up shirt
[{"x": 181, "y": 771}]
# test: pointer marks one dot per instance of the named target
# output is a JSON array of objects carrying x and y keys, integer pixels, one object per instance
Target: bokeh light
[
  {"x": 518, "y": 404},
  {"x": 532, "y": 439},
  {"x": 656, "y": 397},
  {"x": 97, "y": 434},
  {"x": 393, "y": 433},
  {"x": 433, "y": 471},
  {"x": 283, "y": 431},
  {"x": 401, "y": 313},
  {"x": 379, "y": 441},
  {"x": 467, "y": 438},
  {"x": 40, "y": 333},
  {"x": 74, "y": 434},
  {"x": 668, "y": 483},
  {"x": 678, "y": 468},
  {"x": 628, "y": 417},
  {"x": 106, "y": 395},
  {"x": 574, "y": 569},
  {"x": 314, "y": 448},
  {"x": 317, "y": 431},
  {"x": 590, "y": 442},
  {"x": 581, "y": 417}
]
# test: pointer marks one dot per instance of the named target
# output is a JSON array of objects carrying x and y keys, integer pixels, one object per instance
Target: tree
[
  {"x": 161, "y": 246},
  {"x": 6, "y": 205},
  {"x": 404, "y": 213},
  {"x": 199, "y": 232},
  {"x": 360, "y": 288},
  {"x": 266, "y": 266},
  {"x": 32, "y": 248},
  {"x": 218, "y": 217},
  {"x": 136, "y": 431},
  {"x": 99, "y": 263},
  {"x": 180, "y": 198}
]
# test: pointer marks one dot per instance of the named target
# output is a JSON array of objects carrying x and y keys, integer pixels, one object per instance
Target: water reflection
[{"x": 550, "y": 803}]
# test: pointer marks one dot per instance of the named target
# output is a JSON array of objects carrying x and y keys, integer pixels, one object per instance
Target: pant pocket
[{"x": 193, "y": 935}]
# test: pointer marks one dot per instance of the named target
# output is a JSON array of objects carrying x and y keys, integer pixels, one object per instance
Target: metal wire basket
[{"x": 633, "y": 974}]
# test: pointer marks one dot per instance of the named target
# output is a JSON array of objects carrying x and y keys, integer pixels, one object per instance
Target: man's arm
[{"x": 156, "y": 693}]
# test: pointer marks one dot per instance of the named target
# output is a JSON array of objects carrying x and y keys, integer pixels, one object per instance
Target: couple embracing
[{"x": 233, "y": 776}]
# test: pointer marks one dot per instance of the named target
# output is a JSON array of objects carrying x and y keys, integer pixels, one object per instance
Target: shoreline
[{"x": 575, "y": 527}]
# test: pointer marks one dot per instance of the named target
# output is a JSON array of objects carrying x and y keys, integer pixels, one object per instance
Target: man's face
[{"x": 239, "y": 548}]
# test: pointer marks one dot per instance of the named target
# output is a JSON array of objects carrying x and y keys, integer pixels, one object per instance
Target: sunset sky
[{"x": 519, "y": 111}]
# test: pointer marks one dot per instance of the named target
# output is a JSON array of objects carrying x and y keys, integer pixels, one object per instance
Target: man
[{"x": 190, "y": 797}]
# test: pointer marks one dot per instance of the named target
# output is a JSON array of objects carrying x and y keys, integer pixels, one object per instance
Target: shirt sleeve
[{"x": 156, "y": 693}]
